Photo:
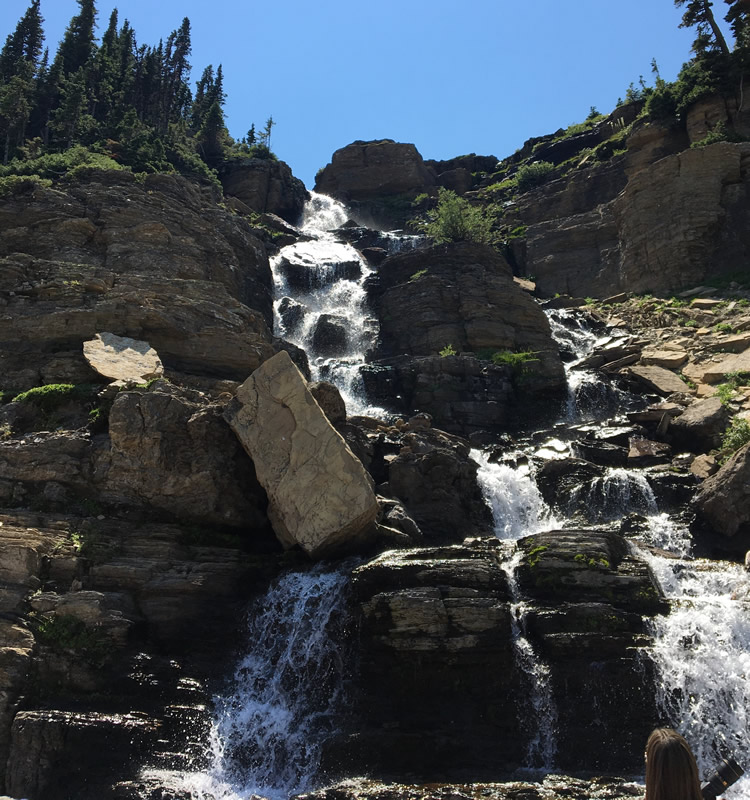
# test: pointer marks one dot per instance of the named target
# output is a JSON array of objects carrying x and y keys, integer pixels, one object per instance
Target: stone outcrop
[
  {"x": 320, "y": 496},
  {"x": 723, "y": 500},
  {"x": 266, "y": 186},
  {"x": 462, "y": 298},
  {"x": 159, "y": 262},
  {"x": 701, "y": 426},
  {"x": 364, "y": 170},
  {"x": 433, "y": 619},
  {"x": 122, "y": 359},
  {"x": 663, "y": 228}
]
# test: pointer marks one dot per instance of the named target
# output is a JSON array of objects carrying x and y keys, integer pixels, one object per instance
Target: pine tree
[
  {"x": 77, "y": 46},
  {"x": 16, "y": 97},
  {"x": 698, "y": 14},
  {"x": 24, "y": 44}
]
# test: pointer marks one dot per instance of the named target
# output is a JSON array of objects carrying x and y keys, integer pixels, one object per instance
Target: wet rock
[
  {"x": 644, "y": 452},
  {"x": 328, "y": 397},
  {"x": 266, "y": 185},
  {"x": 374, "y": 255},
  {"x": 561, "y": 480},
  {"x": 599, "y": 452},
  {"x": 303, "y": 276},
  {"x": 292, "y": 313},
  {"x": 330, "y": 337},
  {"x": 42, "y": 743},
  {"x": 297, "y": 354},
  {"x": 123, "y": 359},
  {"x": 436, "y": 480},
  {"x": 723, "y": 500},
  {"x": 300, "y": 459},
  {"x": 701, "y": 426}
]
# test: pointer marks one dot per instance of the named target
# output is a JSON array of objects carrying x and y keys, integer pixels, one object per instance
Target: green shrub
[
  {"x": 725, "y": 392},
  {"x": 517, "y": 361},
  {"x": 723, "y": 327},
  {"x": 448, "y": 350},
  {"x": 737, "y": 435},
  {"x": 535, "y": 174},
  {"x": 57, "y": 165},
  {"x": 15, "y": 184},
  {"x": 456, "y": 220},
  {"x": 417, "y": 275},
  {"x": 66, "y": 633}
]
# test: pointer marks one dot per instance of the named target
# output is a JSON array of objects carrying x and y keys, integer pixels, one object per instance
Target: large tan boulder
[{"x": 320, "y": 496}]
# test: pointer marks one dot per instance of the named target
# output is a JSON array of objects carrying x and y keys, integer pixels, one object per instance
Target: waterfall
[
  {"x": 617, "y": 493},
  {"x": 320, "y": 305},
  {"x": 287, "y": 693},
  {"x": 519, "y": 510},
  {"x": 511, "y": 493}
]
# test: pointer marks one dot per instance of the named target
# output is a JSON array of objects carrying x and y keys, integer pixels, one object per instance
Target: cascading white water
[
  {"x": 286, "y": 695},
  {"x": 330, "y": 293},
  {"x": 617, "y": 493},
  {"x": 702, "y": 659},
  {"x": 519, "y": 510},
  {"x": 511, "y": 493}
]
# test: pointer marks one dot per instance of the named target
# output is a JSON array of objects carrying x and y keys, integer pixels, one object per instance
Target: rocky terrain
[{"x": 163, "y": 457}]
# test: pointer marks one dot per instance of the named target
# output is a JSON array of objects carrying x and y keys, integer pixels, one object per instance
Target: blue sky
[{"x": 452, "y": 77}]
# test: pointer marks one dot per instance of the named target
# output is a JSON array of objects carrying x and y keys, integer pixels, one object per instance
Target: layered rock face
[
  {"x": 367, "y": 176},
  {"x": 266, "y": 186},
  {"x": 158, "y": 262},
  {"x": 459, "y": 298},
  {"x": 437, "y": 623},
  {"x": 665, "y": 227}
]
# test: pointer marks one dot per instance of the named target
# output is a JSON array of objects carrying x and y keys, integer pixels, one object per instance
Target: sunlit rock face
[{"x": 320, "y": 495}]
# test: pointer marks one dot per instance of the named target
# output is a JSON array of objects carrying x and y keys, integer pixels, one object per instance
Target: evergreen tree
[
  {"x": 699, "y": 14},
  {"x": 16, "y": 97},
  {"x": 24, "y": 44},
  {"x": 77, "y": 46}
]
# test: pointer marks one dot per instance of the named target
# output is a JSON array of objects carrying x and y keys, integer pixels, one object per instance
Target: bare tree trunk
[{"x": 718, "y": 35}]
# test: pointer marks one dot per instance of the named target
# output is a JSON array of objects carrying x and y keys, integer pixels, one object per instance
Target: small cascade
[
  {"x": 618, "y": 493},
  {"x": 321, "y": 302},
  {"x": 589, "y": 396},
  {"x": 287, "y": 694},
  {"x": 537, "y": 708},
  {"x": 519, "y": 510},
  {"x": 517, "y": 507},
  {"x": 702, "y": 657}
]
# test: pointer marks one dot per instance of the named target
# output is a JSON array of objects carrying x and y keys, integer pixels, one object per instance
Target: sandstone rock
[
  {"x": 363, "y": 170},
  {"x": 657, "y": 379},
  {"x": 731, "y": 344},
  {"x": 667, "y": 358},
  {"x": 266, "y": 185},
  {"x": 704, "y": 466},
  {"x": 165, "y": 266},
  {"x": 716, "y": 372},
  {"x": 461, "y": 295},
  {"x": 123, "y": 359},
  {"x": 320, "y": 496},
  {"x": 701, "y": 426},
  {"x": 723, "y": 500}
]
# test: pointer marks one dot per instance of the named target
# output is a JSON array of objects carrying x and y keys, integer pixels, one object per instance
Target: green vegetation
[
  {"x": 726, "y": 391},
  {"x": 723, "y": 327},
  {"x": 112, "y": 104},
  {"x": 52, "y": 396},
  {"x": 535, "y": 174},
  {"x": 736, "y": 435},
  {"x": 448, "y": 350},
  {"x": 516, "y": 361},
  {"x": 534, "y": 555},
  {"x": 417, "y": 275},
  {"x": 456, "y": 220},
  {"x": 66, "y": 633},
  {"x": 591, "y": 562}
]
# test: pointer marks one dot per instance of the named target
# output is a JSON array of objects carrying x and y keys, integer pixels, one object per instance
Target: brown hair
[{"x": 671, "y": 771}]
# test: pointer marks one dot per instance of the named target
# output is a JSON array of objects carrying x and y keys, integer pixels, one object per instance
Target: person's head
[{"x": 671, "y": 771}]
